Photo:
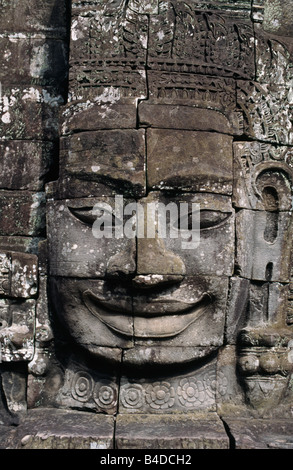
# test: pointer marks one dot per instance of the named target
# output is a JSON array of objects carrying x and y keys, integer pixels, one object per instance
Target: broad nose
[
  {"x": 154, "y": 258},
  {"x": 123, "y": 263},
  {"x": 156, "y": 265},
  {"x": 148, "y": 262}
]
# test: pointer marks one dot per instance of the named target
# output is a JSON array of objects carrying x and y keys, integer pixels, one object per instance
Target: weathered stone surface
[
  {"x": 185, "y": 117},
  {"x": 105, "y": 313},
  {"x": 14, "y": 388},
  {"x": 191, "y": 161},
  {"x": 17, "y": 330},
  {"x": 261, "y": 434},
  {"x": 19, "y": 244},
  {"x": 29, "y": 113},
  {"x": 6, "y": 433},
  {"x": 273, "y": 58},
  {"x": 116, "y": 157},
  {"x": 290, "y": 304},
  {"x": 180, "y": 39},
  {"x": 262, "y": 175},
  {"x": 33, "y": 61},
  {"x": 30, "y": 16},
  {"x": 237, "y": 308},
  {"x": 86, "y": 390},
  {"x": 71, "y": 187},
  {"x": 231, "y": 398},
  {"x": 267, "y": 110},
  {"x": 187, "y": 431},
  {"x": 178, "y": 88},
  {"x": 187, "y": 314},
  {"x": 80, "y": 306},
  {"x": 64, "y": 429},
  {"x": 192, "y": 251},
  {"x": 178, "y": 339},
  {"x": 44, "y": 380},
  {"x": 117, "y": 61},
  {"x": 151, "y": 7},
  {"x": 278, "y": 17},
  {"x": 19, "y": 274},
  {"x": 106, "y": 111},
  {"x": 25, "y": 164},
  {"x": 172, "y": 394},
  {"x": 22, "y": 213},
  {"x": 263, "y": 252},
  {"x": 160, "y": 356},
  {"x": 74, "y": 247}
]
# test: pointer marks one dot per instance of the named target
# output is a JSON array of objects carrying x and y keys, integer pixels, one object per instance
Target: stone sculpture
[{"x": 152, "y": 102}]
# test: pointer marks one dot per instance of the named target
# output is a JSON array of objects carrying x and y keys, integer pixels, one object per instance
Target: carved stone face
[
  {"x": 151, "y": 297},
  {"x": 153, "y": 113}
]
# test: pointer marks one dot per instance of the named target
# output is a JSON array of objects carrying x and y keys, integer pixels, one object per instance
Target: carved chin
[{"x": 158, "y": 319}]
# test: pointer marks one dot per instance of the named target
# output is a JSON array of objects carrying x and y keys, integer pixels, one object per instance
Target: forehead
[
  {"x": 136, "y": 161},
  {"x": 147, "y": 111}
]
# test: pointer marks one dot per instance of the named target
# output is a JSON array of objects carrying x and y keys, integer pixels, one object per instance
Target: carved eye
[
  {"x": 208, "y": 219},
  {"x": 88, "y": 215},
  {"x": 212, "y": 219}
]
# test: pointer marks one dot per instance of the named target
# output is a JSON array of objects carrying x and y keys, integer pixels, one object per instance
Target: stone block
[
  {"x": 261, "y": 172},
  {"x": 104, "y": 111},
  {"x": 268, "y": 303},
  {"x": 171, "y": 84},
  {"x": 71, "y": 187},
  {"x": 74, "y": 247},
  {"x": 33, "y": 61},
  {"x": 206, "y": 247},
  {"x": 278, "y": 18},
  {"x": 29, "y": 113},
  {"x": 17, "y": 330},
  {"x": 19, "y": 274},
  {"x": 181, "y": 431},
  {"x": 261, "y": 433},
  {"x": 25, "y": 164},
  {"x": 22, "y": 213},
  {"x": 19, "y": 244},
  {"x": 89, "y": 391},
  {"x": 49, "y": 428},
  {"x": 44, "y": 380},
  {"x": 182, "y": 393},
  {"x": 117, "y": 157},
  {"x": 262, "y": 250},
  {"x": 31, "y": 17},
  {"x": 145, "y": 356},
  {"x": 189, "y": 160},
  {"x": 230, "y": 395},
  {"x": 236, "y": 308},
  {"x": 174, "y": 116},
  {"x": 14, "y": 389}
]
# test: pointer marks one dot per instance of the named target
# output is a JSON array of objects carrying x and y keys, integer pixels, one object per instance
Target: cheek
[
  {"x": 75, "y": 252},
  {"x": 214, "y": 256}
]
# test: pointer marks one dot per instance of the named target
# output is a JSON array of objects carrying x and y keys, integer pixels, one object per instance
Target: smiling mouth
[{"x": 160, "y": 318}]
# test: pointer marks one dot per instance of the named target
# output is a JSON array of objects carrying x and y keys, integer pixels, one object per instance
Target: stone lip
[{"x": 167, "y": 317}]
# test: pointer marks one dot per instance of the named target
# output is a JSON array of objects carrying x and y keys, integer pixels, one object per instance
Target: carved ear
[
  {"x": 263, "y": 254},
  {"x": 273, "y": 187}
]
